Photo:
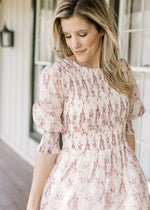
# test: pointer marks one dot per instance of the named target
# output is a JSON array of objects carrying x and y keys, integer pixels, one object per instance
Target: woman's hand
[
  {"x": 33, "y": 202},
  {"x": 131, "y": 141}
]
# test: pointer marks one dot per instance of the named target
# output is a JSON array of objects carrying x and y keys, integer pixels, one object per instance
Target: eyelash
[{"x": 81, "y": 35}]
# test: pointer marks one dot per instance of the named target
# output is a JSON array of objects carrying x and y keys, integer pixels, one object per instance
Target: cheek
[
  {"x": 91, "y": 41},
  {"x": 68, "y": 42},
  {"x": 88, "y": 41}
]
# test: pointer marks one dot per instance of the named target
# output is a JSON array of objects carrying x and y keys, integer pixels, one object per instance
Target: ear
[{"x": 102, "y": 33}]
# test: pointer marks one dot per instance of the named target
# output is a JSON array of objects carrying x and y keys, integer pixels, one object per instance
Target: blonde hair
[{"x": 98, "y": 13}]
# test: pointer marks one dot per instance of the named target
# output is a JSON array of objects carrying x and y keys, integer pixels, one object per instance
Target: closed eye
[
  {"x": 67, "y": 37},
  {"x": 83, "y": 35}
]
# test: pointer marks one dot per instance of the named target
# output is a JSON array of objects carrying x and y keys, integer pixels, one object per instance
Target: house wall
[{"x": 15, "y": 77}]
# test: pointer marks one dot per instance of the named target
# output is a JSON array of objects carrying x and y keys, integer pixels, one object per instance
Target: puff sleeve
[
  {"x": 48, "y": 110},
  {"x": 136, "y": 108}
]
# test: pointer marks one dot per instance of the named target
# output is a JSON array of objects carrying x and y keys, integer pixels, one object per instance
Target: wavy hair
[{"x": 98, "y": 13}]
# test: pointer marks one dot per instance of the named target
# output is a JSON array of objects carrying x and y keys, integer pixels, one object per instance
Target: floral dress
[{"x": 96, "y": 168}]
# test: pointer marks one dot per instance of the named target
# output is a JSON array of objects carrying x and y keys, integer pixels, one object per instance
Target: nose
[{"x": 75, "y": 43}]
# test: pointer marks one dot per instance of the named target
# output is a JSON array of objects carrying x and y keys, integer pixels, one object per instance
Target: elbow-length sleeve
[
  {"x": 48, "y": 110},
  {"x": 136, "y": 108}
]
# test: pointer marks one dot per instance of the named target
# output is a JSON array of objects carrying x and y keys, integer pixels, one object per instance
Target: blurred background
[{"x": 24, "y": 52}]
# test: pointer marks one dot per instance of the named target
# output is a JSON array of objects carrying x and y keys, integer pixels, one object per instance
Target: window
[
  {"x": 134, "y": 26},
  {"x": 42, "y": 50},
  {"x": 135, "y": 30},
  {"x": 44, "y": 11}
]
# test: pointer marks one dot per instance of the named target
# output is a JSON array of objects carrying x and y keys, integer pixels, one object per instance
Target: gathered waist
[{"x": 94, "y": 142}]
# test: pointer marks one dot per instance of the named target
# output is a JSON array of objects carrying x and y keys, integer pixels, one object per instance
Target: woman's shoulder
[
  {"x": 54, "y": 70},
  {"x": 56, "y": 73},
  {"x": 61, "y": 65}
]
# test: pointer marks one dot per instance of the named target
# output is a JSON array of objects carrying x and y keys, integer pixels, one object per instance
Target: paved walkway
[{"x": 15, "y": 179}]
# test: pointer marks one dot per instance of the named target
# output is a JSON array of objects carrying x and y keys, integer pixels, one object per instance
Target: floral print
[{"x": 96, "y": 168}]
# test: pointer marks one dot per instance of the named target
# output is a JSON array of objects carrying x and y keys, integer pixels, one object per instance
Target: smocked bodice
[{"x": 78, "y": 102}]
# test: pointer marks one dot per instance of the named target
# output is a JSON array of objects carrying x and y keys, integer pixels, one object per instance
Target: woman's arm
[
  {"x": 43, "y": 166},
  {"x": 131, "y": 141}
]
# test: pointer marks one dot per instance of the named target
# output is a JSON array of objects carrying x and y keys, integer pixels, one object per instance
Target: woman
[{"x": 91, "y": 97}]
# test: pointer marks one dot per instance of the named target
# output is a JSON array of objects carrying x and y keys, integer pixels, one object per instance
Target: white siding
[{"x": 15, "y": 73}]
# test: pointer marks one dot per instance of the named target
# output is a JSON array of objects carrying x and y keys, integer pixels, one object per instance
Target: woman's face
[{"x": 83, "y": 39}]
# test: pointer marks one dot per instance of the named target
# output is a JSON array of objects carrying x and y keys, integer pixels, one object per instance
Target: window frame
[
  {"x": 36, "y": 63},
  {"x": 32, "y": 134},
  {"x": 139, "y": 69}
]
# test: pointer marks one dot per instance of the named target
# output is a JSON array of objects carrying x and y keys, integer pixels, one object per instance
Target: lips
[{"x": 79, "y": 52}]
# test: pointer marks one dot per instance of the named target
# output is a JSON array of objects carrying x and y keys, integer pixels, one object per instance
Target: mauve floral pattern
[{"x": 96, "y": 169}]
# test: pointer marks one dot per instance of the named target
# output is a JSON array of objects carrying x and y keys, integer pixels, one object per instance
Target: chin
[{"x": 81, "y": 59}]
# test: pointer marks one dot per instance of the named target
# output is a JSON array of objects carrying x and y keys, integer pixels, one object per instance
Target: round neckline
[{"x": 81, "y": 66}]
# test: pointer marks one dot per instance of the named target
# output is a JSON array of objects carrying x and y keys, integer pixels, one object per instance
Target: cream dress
[{"x": 96, "y": 168}]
